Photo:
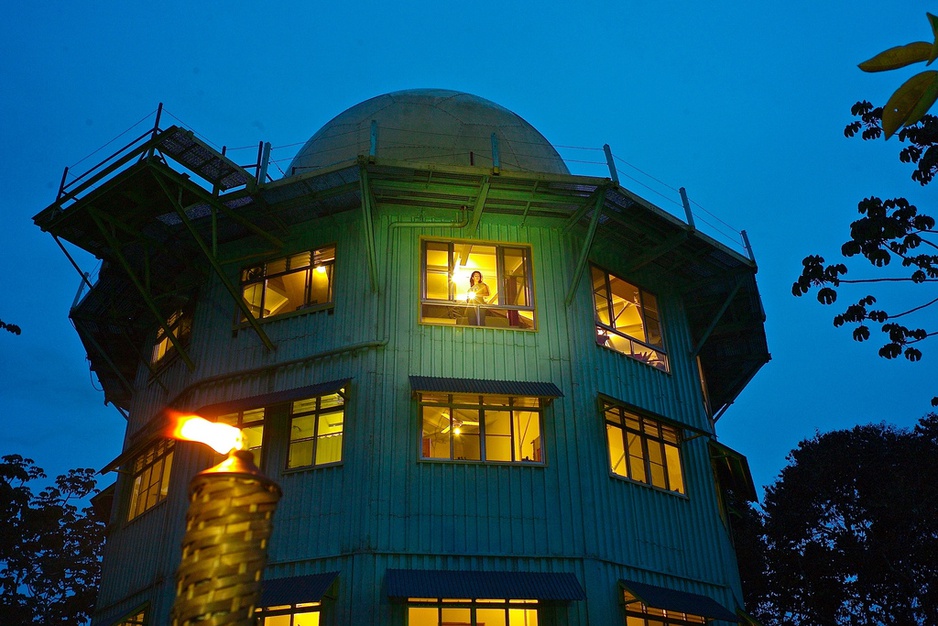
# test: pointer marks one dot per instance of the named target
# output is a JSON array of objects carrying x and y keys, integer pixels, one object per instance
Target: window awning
[
  {"x": 296, "y": 589},
  {"x": 733, "y": 468},
  {"x": 268, "y": 399},
  {"x": 480, "y": 386},
  {"x": 674, "y": 600},
  {"x": 412, "y": 583}
]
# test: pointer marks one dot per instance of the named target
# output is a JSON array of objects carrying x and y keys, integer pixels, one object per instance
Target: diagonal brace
[
  {"x": 479, "y": 205},
  {"x": 144, "y": 292},
  {"x": 367, "y": 215},
  {"x": 716, "y": 318},
  {"x": 215, "y": 266},
  {"x": 587, "y": 245}
]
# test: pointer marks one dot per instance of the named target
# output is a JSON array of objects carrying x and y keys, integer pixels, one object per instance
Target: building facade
[{"x": 487, "y": 387}]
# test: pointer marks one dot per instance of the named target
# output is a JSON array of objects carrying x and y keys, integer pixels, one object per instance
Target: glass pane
[
  {"x": 320, "y": 288},
  {"x": 498, "y": 436},
  {"x": 626, "y": 313},
  {"x": 276, "y": 266},
  {"x": 490, "y": 617},
  {"x": 675, "y": 476},
  {"x": 253, "y": 438},
  {"x": 656, "y": 464},
  {"x": 306, "y": 619},
  {"x": 331, "y": 400},
  {"x": 636, "y": 458},
  {"x": 437, "y": 431},
  {"x": 465, "y": 398},
  {"x": 456, "y": 617},
  {"x": 298, "y": 261},
  {"x": 285, "y": 293},
  {"x": 600, "y": 296},
  {"x": 437, "y": 285},
  {"x": 466, "y": 442},
  {"x": 276, "y": 620},
  {"x": 304, "y": 406},
  {"x": 329, "y": 443},
  {"x": 301, "y": 427},
  {"x": 522, "y": 617},
  {"x": 515, "y": 290},
  {"x": 496, "y": 400},
  {"x": 324, "y": 255},
  {"x": 253, "y": 295},
  {"x": 301, "y": 454},
  {"x": 422, "y": 616},
  {"x": 527, "y": 436},
  {"x": 616, "y": 450},
  {"x": 613, "y": 415}
]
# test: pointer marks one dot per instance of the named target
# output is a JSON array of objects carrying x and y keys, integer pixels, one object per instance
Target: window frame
[
  {"x": 647, "y": 616},
  {"x": 257, "y": 276},
  {"x": 179, "y": 324},
  {"x": 294, "y": 609},
  {"x": 603, "y": 329},
  {"x": 259, "y": 451},
  {"x": 137, "y": 617},
  {"x": 162, "y": 451},
  {"x": 646, "y": 422},
  {"x": 473, "y": 605},
  {"x": 318, "y": 413},
  {"x": 482, "y": 407},
  {"x": 485, "y": 314}
]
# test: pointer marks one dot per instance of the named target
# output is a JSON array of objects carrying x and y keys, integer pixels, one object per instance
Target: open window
[
  {"x": 627, "y": 319},
  {"x": 643, "y": 449},
  {"x": 465, "y": 283},
  {"x": 294, "y": 283},
  {"x": 151, "y": 470},
  {"x": 180, "y": 325}
]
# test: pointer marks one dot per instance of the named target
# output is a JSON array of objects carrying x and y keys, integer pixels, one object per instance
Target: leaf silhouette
[
  {"x": 910, "y": 101},
  {"x": 897, "y": 57}
]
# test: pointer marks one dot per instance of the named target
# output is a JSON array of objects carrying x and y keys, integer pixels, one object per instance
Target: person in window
[
  {"x": 478, "y": 294},
  {"x": 478, "y": 290}
]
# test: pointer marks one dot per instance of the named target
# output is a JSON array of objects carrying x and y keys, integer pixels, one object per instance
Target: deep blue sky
[{"x": 742, "y": 105}]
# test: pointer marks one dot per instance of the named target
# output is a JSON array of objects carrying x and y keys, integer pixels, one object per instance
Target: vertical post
[
  {"x": 373, "y": 148},
  {"x": 257, "y": 166},
  {"x": 748, "y": 246},
  {"x": 613, "y": 173},
  {"x": 265, "y": 162},
  {"x": 496, "y": 161},
  {"x": 156, "y": 129},
  {"x": 62, "y": 184},
  {"x": 686, "y": 203}
]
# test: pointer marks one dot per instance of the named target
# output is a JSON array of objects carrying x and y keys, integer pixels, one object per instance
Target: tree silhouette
[
  {"x": 894, "y": 238},
  {"x": 49, "y": 549},
  {"x": 849, "y": 532}
]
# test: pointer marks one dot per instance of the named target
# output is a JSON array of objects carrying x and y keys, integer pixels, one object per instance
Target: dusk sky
[{"x": 742, "y": 105}]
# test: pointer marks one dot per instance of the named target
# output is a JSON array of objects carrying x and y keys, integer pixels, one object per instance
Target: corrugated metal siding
[
  {"x": 383, "y": 507},
  {"x": 481, "y": 386},
  {"x": 474, "y": 584}
]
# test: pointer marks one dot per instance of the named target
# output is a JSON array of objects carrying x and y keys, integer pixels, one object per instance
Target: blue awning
[
  {"x": 476, "y": 385},
  {"x": 674, "y": 600},
  {"x": 413, "y": 583},
  {"x": 296, "y": 589}
]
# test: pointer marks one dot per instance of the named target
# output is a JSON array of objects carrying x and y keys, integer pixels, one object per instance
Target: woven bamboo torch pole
[{"x": 224, "y": 551}]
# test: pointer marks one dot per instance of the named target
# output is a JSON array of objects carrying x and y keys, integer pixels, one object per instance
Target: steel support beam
[
  {"x": 367, "y": 208},
  {"x": 716, "y": 318},
  {"x": 587, "y": 245},
  {"x": 479, "y": 205},
  {"x": 144, "y": 293},
  {"x": 215, "y": 266},
  {"x": 86, "y": 335}
]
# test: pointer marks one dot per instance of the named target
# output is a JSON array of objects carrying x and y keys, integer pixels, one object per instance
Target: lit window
[
  {"x": 643, "y": 449},
  {"x": 151, "y": 477},
  {"x": 288, "y": 284},
  {"x": 316, "y": 428},
  {"x": 302, "y": 614},
  {"x": 639, "y": 614},
  {"x": 627, "y": 319},
  {"x": 471, "y": 284},
  {"x": 251, "y": 424},
  {"x": 456, "y": 612},
  {"x": 470, "y": 427},
  {"x": 138, "y": 617},
  {"x": 180, "y": 325}
]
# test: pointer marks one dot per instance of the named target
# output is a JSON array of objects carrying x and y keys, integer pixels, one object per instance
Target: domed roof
[{"x": 430, "y": 126}]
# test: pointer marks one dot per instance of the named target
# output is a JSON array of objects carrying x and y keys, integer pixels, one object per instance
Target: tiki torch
[{"x": 228, "y": 525}]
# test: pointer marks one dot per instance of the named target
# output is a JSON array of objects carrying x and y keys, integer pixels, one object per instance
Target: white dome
[{"x": 430, "y": 126}]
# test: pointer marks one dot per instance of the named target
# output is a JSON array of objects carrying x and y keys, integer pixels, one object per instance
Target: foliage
[
  {"x": 888, "y": 230},
  {"x": 849, "y": 532},
  {"x": 13, "y": 328},
  {"x": 915, "y": 97},
  {"x": 49, "y": 549}
]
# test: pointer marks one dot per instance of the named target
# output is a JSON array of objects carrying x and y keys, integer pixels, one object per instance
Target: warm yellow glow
[
  {"x": 222, "y": 438},
  {"x": 320, "y": 269},
  {"x": 457, "y": 431}
]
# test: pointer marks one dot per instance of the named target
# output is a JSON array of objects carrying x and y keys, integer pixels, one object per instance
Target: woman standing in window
[{"x": 478, "y": 290}]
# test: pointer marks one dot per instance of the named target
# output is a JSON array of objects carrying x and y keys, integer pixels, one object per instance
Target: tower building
[{"x": 487, "y": 387}]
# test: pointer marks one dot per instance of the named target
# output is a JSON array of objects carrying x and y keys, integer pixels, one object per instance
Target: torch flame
[{"x": 223, "y": 438}]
